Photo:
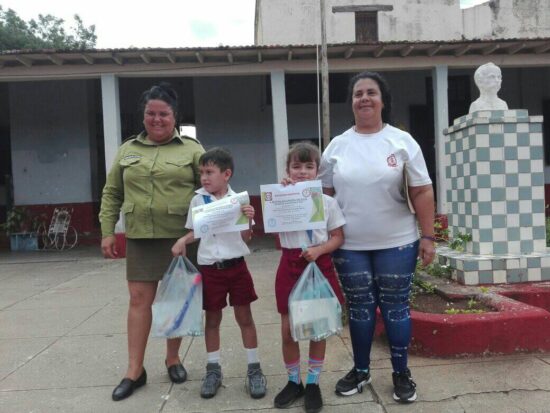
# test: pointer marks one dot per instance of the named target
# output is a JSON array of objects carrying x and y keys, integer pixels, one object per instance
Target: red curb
[{"x": 520, "y": 324}]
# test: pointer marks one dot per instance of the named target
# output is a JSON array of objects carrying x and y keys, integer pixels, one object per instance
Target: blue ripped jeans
[{"x": 378, "y": 278}]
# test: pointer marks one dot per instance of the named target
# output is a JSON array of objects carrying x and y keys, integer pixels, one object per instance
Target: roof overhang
[{"x": 36, "y": 64}]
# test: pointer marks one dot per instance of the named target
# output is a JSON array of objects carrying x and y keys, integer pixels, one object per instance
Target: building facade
[{"x": 64, "y": 113}]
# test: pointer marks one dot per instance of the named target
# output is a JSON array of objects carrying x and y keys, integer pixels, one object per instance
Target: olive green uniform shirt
[{"x": 152, "y": 185}]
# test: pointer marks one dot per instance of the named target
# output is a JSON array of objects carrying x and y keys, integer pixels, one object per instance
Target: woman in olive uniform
[{"x": 152, "y": 181}]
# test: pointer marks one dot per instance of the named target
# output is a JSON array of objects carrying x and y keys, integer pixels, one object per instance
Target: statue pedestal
[{"x": 495, "y": 192}]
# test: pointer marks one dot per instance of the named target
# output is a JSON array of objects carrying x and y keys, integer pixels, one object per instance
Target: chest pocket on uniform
[
  {"x": 129, "y": 161},
  {"x": 178, "y": 168}
]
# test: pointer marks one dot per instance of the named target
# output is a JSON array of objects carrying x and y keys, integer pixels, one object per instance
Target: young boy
[
  {"x": 224, "y": 273},
  {"x": 302, "y": 165}
]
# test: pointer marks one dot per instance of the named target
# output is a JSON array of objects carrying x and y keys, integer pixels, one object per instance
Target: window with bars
[{"x": 366, "y": 26}]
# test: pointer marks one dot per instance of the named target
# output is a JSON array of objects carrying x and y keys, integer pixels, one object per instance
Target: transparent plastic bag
[
  {"x": 314, "y": 310},
  {"x": 177, "y": 309}
]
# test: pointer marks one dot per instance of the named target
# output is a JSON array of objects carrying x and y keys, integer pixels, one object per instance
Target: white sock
[
  {"x": 213, "y": 357},
  {"x": 252, "y": 355}
]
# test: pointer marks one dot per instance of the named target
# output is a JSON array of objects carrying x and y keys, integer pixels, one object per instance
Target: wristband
[{"x": 428, "y": 238}]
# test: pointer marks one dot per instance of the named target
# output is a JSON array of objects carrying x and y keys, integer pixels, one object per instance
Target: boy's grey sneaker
[
  {"x": 256, "y": 383},
  {"x": 211, "y": 381},
  {"x": 352, "y": 382},
  {"x": 404, "y": 388}
]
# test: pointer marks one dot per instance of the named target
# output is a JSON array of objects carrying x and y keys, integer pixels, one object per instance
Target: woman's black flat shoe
[
  {"x": 177, "y": 373},
  {"x": 127, "y": 386}
]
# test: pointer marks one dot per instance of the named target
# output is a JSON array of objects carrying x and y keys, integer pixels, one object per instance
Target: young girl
[{"x": 302, "y": 165}]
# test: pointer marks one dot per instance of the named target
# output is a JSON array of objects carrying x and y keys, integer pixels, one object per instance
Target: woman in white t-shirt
[{"x": 364, "y": 169}]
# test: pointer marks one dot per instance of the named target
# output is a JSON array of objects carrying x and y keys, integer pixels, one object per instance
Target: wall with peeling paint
[
  {"x": 504, "y": 19},
  {"x": 298, "y": 22}
]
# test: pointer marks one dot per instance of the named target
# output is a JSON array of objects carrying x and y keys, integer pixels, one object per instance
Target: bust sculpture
[{"x": 488, "y": 79}]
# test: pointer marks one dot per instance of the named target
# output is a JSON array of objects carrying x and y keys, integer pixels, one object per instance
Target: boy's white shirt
[
  {"x": 297, "y": 239},
  {"x": 216, "y": 247}
]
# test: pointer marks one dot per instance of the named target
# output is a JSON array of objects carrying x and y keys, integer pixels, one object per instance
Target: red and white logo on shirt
[{"x": 392, "y": 161}]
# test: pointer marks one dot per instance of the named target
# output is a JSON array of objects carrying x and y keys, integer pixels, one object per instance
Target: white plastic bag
[
  {"x": 314, "y": 310},
  {"x": 177, "y": 309}
]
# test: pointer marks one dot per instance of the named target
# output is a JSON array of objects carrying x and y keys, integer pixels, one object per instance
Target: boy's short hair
[
  {"x": 303, "y": 152},
  {"x": 218, "y": 156}
]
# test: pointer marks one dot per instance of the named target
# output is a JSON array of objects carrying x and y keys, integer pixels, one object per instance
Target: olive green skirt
[{"x": 148, "y": 259}]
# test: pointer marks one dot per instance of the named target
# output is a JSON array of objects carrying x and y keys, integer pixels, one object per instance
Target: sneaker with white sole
[
  {"x": 404, "y": 388},
  {"x": 352, "y": 382}
]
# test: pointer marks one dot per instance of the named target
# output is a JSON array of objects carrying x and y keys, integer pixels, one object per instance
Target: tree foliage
[{"x": 48, "y": 32}]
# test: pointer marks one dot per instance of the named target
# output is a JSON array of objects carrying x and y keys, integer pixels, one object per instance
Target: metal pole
[{"x": 324, "y": 79}]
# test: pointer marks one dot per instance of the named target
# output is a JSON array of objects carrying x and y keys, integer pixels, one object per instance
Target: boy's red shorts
[
  {"x": 217, "y": 284},
  {"x": 292, "y": 266}
]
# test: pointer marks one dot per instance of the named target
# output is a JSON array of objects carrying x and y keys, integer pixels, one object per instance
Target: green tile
[
  {"x": 460, "y": 276},
  {"x": 526, "y": 246},
  {"x": 539, "y": 233},
  {"x": 510, "y": 152},
  {"x": 447, "y": 148},
  {"x": 509, "y": 128},
  {"x": 523, "y": 139},
  {"x": 474, "y": 195},
  {"x": 516, "y": 275},
  {"x": 471, "y": 265},
  {"x": 535, "y": 127},
  {"x": 472, "y": 141},
  {"x": 533, "y": 262},
  {"x": 499, "y": 221},
  {"x": 460, "y": 195},
  {"x": 537, "y": 179},
  {"x": 496, "y": 167},
  {"x": 525, "y": 193},
  {"x": 448, "y": 172},
  {"x": 460, "y": 170},
  {"x": 475, "y": 247},
  {"x": 498, "y": 194},
  {"x": 453, "y": 158},
  {"x": 482, "y": 154},
  {"x": 500, "y": 247},
  {"x": 485, "y": 235},
  {"x": 468, "y": 208},
  {"x": 545, "y": 276},
  {"x": 512, "y": 180},
  {"x": 461, "y": 220},
  {"x": 479, "y": 129},
  {"x": 484, "y": 181},
  {"x": 512, "y": 207},
  {"x": 525, "y": 220},
  {"x": 466, "y": 157},
  {"x": 475, "y": 221},
  {"x": 538, "y": 205},
  {"x": 496, "y": 140},
  {"x": 513, "y": 234},
  {"x": 498, "y": 264},
  {"x": 473, "y": 169},
  {"x": 486, "y": 277},
  {"x": 459, "y": 145},
  {"x": 537, "y": 152},
  {"x": 485, "y": 208},
  {"x": 524, "y": 166}
]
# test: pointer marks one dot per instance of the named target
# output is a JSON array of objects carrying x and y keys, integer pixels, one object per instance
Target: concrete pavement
[{"x": 63, "y": 349}]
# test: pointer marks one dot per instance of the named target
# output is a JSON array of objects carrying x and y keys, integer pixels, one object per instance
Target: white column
[
  {"x": 280, "y": 125},
  {"x": 441, "y": 121},
  {"x": 111, "y": 118},
  {"x": 111, "y": 126}
]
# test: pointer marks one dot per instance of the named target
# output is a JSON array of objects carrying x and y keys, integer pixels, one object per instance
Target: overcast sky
[{"x": 183, "y": 23}]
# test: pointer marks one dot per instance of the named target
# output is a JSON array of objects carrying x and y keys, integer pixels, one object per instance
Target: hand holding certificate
[
  {"x": 293, "y": 207},
  {"x": 220, "y": 216}
]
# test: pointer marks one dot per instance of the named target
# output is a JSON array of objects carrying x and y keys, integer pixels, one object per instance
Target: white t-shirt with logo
[
  {"x": 298, "y": 239},
  {"x": 216, "y": 247},
  {"x": 366, "y": 172}
]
